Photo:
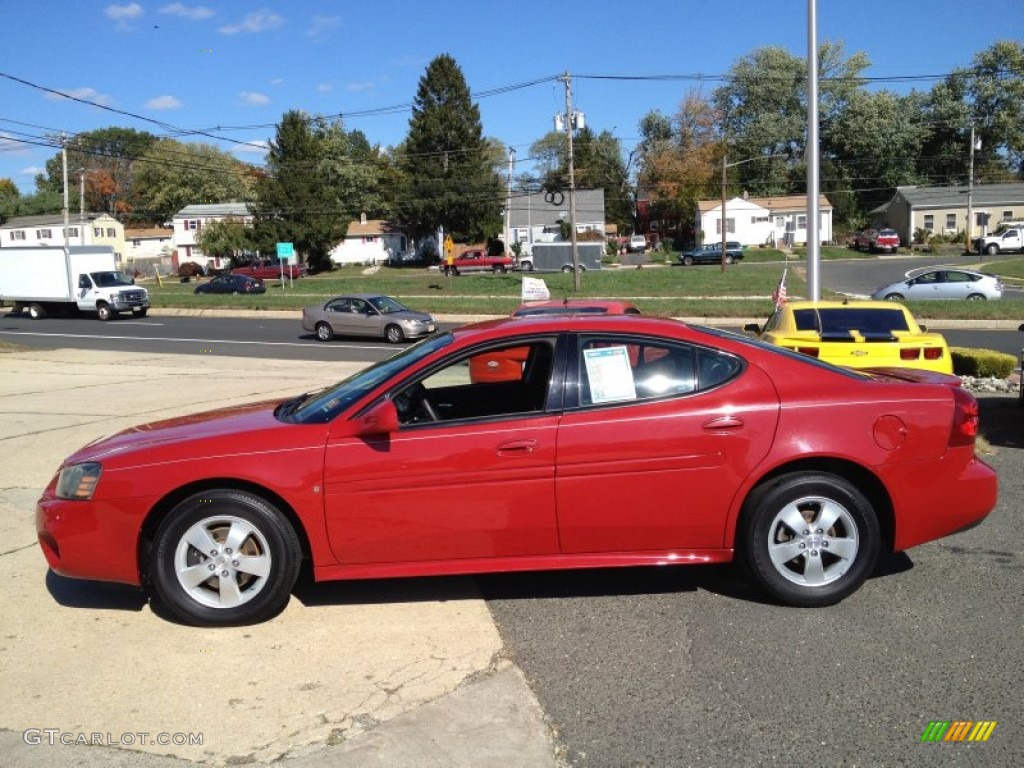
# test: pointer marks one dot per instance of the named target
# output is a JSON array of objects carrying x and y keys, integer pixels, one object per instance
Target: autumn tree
[
  {"x": 225, "y": 237},
  {"x": 449, "y": 178}
]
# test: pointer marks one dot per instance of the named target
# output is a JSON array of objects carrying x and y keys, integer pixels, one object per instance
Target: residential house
[
  {"x": 190, "y": 220},
  {"x": 152, "y": 245},
  {"x": 779, "y": 220},
  {"x": 943, "y": 210},
  {"x": 370, "y": 241},
  {"x": 48, "y": 229},
  {"x": 536, "y": 217}
]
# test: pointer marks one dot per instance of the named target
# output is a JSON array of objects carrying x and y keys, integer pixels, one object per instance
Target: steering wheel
[{"x": 413, "y": 406}]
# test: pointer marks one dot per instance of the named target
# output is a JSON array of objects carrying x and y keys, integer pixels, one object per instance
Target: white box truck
[{"x": 47, "y": 280}]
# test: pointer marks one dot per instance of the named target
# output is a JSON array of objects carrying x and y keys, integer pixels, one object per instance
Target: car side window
[
  {"x": 627, "y": 369},
  {"x": 498, "y": 381}
]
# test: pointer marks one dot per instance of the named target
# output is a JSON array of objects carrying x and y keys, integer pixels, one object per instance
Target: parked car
[
  {"x": 711, "y": 253},
  {"x": 367, "y": 314},
  {"x": 711, "y": 448},
  {"x": 477, "y": 261},
  {"x": 232, "y": 284},
  {"x": 268, "y": 269},
  {"x": 637, "y": 244},
  {"x": 940, "y": 283},
  {"x": 873, "y": 240},
  {"x": 856, "y": 334},
  {"x": 1007, "y": 238}
]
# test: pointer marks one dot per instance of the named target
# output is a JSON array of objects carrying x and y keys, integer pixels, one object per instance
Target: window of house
[
  {"x": 44, "y": 234},
  {"x": 801, "y": 222},
  {"x": 1007, "y": 215},
  {"x": 369, "y": 238},
  {"x": 97, "y": 231},
  {"x": 950, "y": 221},
  {"x": 730, "y": 225},
  {"x": 136, "y": 243},
  {"x": 17, "y": 234},
  {"x": 929, "y": 222},
  {"x": 780, "y": 221},
  {"x": 191, "y": 224},
  {"x": 71, "y": 232},
  {"x": 111, "y": 232}
]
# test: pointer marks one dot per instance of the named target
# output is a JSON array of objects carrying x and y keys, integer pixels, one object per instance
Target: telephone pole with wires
[{"x": 571, "y": 120}]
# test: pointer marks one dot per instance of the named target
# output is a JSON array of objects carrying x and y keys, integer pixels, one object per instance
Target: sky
[{"x": 232, "y": 68}]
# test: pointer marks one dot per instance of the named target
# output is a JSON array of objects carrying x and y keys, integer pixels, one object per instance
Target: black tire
[
  {"x": 687, "y": 261},
  {"x": 830, "y": 561},
  {"x": 36, "y": 311},
  {"x": 140, "y": 312},
  {"x": 567, "y": 269},
  {"x": 498, "y": 269},
  {"x": 104, "y": 312},
  {"x": 393, "y": 334},
  {"x": 231, "y": 595},
  {"x": 729, "y": 259},
  {"x": 991, "y": 249},
  {"x": 894, "y": 297},
  {"x": 526, "y": 266},
  {"x": 976, "y": 297},
  {"x": 324, "y": 332}
]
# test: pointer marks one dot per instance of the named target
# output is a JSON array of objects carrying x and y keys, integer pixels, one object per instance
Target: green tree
[
  {"x": 449, "y": 177},
  {"x": 107, "y": 157},
  {"x": 172, "y": 174},
  {"x": 10, "y": 197},
  {"x": 225, "y": 237}
]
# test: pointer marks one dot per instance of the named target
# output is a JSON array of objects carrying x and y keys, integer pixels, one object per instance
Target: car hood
[
  {"x": 410, "y": 314},
  {"x": 224, "y": 430}
]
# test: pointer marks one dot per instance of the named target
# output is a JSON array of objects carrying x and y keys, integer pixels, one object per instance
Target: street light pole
[
  {"x": 570, "y": 123},
  {"x": 970, "y": 194}
]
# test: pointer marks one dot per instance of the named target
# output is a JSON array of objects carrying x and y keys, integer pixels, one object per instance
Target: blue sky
[{"x": 233, "y": 68}]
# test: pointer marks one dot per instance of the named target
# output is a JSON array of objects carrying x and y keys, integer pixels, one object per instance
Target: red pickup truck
[
  {"x": 872, "y": 240},
  {"x": 268, "y": 270},
  {"x": 477, "y": 261}
]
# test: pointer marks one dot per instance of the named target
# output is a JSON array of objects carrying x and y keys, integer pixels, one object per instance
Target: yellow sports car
[{"x": 857, "y": 334}]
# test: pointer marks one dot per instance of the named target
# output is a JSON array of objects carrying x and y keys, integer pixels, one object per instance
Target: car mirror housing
[
  {"x": 752, "y": 328},
  {"x": 380, "y": 419}
]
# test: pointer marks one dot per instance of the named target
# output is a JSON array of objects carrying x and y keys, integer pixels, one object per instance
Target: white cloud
[
  {"x": 163, "y": 102},
  {"x": 193, "y": 12},
  {"x": 84, "y": 93},
  {"x": 277, "y": 81},
  {"x": 254, "y": 99},
  {"x": 122, "y": 14},
  {"x": 325, "y": 88},
  {"x": 258, "y": 21},
  {"x": 363, "y": 86},
  {"x": 257, "y": 146},
  {"x": 31, "y": 170},
  {"x": 321, "y": 25}
]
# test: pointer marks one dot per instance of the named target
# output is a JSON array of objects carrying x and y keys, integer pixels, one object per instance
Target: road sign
[
  {"x": 285, "y": 250},
  {"x": 449, "y": 245}
]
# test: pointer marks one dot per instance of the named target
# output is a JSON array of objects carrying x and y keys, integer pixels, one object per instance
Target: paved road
[{"x": 689, "y": 667}]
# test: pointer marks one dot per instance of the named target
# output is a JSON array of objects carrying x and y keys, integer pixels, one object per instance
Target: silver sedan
[
  {"x": 367, "y": 314},
  {"x": 940, "y": 283}
]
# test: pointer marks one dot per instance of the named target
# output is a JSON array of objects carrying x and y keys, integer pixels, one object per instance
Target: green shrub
[{"x": 983, "y": 363}]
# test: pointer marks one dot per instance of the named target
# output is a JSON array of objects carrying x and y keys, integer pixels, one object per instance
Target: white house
[
  {"x": 370, "y": 241},
  {"x": 779, "y": 220},
  {"x": 149, "y": 245},
  {"x": 190, "y": 220},
  {"x": 48, "y": 229}
]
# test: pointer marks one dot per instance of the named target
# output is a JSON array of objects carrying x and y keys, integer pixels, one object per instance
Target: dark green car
[{"x": 711, "y": 253}]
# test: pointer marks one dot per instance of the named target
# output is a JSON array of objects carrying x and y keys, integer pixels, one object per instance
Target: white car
[
  {"x": 637, "y": 244},
  {"x": 941, "y": 283}
]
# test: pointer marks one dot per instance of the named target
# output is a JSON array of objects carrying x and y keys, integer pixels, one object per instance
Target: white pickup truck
[
  {"x": 1009, "y": 237},
  {"x": 47, "y": 280}
]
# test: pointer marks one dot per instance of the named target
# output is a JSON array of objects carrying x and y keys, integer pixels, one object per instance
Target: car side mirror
[
  {"x": 381, "y": 419},
  {"x": 752, "y": 328}
]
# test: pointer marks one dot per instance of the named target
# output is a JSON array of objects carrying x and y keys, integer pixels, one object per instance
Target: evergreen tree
[{"x": 448, "y": 177}]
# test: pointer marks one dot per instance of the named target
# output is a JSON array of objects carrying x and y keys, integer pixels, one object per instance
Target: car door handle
[
  {"x": 517, "y": 448},
  {"x": 723, "y": 422}
]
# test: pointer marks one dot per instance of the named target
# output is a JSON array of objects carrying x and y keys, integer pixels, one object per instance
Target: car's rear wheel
[
  {"x": 976, "y": 297},
  {"x": 36, "y": 311},
  {"x": 393, "y": 334},
  {"x": 324, "y": 332},
  {"x": 992, "y": 249},
  {"x": 809, "y": 539},
  {"x": 729, "y": 259},
  {"x": 526, "y": 266},
  {"x": 224, "y": 557},
  {"x": 688, "y": 261},
  {"x": 498, "y": 268},
  {"x": 894, "y": 297}
]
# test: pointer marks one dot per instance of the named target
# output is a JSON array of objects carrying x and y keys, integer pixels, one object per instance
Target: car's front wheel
[
  {"x": 105, "y": 312},
  {"x": 393, "y": 334},
  {"x": 224, "y": 558},
  {"x": 729, "y": 259},
  {"x": 976, "y": 297},
  {"x": 687, "y": 261},
  {"x": 809, "y": 539},
  {"x": 894, "y": 297},
  {"x": 992, "y": 249},
  {"x": 498, "y": 269}
]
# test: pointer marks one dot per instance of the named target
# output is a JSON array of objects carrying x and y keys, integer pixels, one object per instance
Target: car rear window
[{"x": 841, "y": 320}]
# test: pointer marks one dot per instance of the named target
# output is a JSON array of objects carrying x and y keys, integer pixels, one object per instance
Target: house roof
[
  {"x": 152, "y": 232},
  {"x": 534, "y": 209},
  {"x": 360, "y": 228},
  {"x": 52, "y": 220},
  {"x": 214, "y": 209},
  {"x": 775, "y": 204},
  {"x": 956, "y": 197}
]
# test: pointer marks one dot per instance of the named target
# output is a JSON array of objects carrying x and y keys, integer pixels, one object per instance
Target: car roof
[
  {"x": 599, "y": 323},
  {"x": 573, "y": 306},
  {"x": 854, "y": 304}
]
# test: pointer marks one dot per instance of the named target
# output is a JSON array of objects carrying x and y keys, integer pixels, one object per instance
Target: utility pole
[
  {"x": 970, "y": 194},
  {"x": 724, "y": 182},
  {"x": 81, "y": 206},
  {"x": 508, "y": 198},
  {"x": 64, "y": 161},
  {"x": 812, "y": 154},
  {"x": 570, "y": 124}
]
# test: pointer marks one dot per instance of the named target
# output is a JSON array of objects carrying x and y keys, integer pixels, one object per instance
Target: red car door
[
  {"x": 658, "y": 466},
  {"x": 476, "y": 483}
]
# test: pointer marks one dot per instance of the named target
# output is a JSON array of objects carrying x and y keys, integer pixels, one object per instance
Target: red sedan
[{"x": 626, "y": 441}]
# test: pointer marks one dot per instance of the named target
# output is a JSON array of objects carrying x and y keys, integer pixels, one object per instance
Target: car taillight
[
  {"x": 912, "y": 353},
  {"x": 933, "y": 353},
  {"x": 965, "y": 418}
]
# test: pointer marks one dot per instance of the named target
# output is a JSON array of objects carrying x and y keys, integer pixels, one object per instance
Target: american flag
[{"x": 779, "y": 294}]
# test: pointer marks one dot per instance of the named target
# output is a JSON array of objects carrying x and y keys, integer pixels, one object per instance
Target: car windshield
[
  {"x": 385, "y": 305},
  {"x": 107, "y": 279},
  {"x": 324, "y": 405},
  {"x": 840, "y": 321}
]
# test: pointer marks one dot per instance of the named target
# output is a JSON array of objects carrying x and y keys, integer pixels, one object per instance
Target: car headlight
[{"x": 78, "y": 481}]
